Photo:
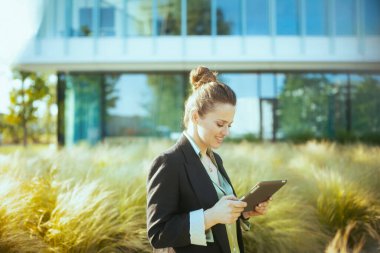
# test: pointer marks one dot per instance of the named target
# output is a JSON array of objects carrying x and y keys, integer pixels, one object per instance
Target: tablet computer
[{"x": 261, "y": 192}]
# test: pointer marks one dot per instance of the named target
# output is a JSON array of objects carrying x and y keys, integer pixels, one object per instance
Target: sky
[{"x": 19, "y": 21}]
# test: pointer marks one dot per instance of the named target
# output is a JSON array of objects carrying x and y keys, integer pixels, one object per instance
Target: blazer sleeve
[{"x": 166, "y": 226}]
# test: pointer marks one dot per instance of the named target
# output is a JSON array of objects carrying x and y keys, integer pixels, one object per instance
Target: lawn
[{"x": 92, "y": 199}]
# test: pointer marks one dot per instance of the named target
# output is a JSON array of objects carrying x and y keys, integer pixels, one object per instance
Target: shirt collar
[
  {"x": 198, "y": 150},
  {"x": 193, "y": 144}
]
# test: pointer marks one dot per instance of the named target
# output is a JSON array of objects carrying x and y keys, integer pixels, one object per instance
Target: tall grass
[{"x": 92, "y": 199}]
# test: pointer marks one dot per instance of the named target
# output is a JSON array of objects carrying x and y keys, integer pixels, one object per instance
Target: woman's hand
[
  {"x": 260, "y": 209},
  {"x": 226, "y": 211}
]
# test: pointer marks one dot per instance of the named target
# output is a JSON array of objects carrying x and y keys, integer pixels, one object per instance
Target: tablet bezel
[{"x": 261, "y": 192}]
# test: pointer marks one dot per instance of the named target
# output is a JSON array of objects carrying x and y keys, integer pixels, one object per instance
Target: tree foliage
[{"x": 24, "y": 103}]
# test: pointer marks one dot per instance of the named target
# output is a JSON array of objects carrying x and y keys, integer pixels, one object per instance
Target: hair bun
[{"x": 201, "y": 75}]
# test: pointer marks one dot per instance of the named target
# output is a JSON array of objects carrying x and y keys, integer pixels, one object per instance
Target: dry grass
[{"x": 92, "y": 199}]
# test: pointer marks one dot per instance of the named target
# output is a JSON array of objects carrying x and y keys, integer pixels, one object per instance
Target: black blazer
[{"x": 177, "y": 184}]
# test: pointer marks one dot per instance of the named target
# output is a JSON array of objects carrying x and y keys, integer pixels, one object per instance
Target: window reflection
[
  {"x": 365, "y": 95},
  {"x": 316, "y": 17},
  {"x": 169, "y": 17},
  {"x": 228, "y": 15},
  {"x": 81, "y": 23},
  {"x": 144, "y": 105},
  {"x": 269, "y": 106},
  {"x": 107, "y": 17},
  {"x": 303, "y": 105},
  {"x": 247, "y": 118},
  {"x": 257, "y": 14},
  {"x": 139, "y": 17},
  {"x": 199, "y": 17},
  {"x": 83, "y": 20},
  {"x": 267, "y": 85},
  {"x": 82, "y": 108},
  {"x": 287, "y": 17},
  {"x": 339, "y": 119}
]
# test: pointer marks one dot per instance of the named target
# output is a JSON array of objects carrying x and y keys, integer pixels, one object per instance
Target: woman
[{"x": 191, "y": 204}]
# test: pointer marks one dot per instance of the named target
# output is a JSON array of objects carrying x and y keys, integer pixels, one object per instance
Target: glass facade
[
  {"x": 104, "y": 18},
  {"x": 270, "y": 106}
]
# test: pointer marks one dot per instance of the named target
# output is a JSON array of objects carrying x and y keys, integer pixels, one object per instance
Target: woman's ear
[{"x": 194, "y": 116}]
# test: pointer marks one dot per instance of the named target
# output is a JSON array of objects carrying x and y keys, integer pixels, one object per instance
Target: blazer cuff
[{"x": 197, "y": 228}]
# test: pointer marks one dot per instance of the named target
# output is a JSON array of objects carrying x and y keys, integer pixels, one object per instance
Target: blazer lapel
[
  {"x": 223, "y": 171},
  {"x": 203, "y": 188},
  {"x": 199, "y": 179}
]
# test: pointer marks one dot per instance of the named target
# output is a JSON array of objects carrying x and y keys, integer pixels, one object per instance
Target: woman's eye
[{"x": 219, "y": 125}]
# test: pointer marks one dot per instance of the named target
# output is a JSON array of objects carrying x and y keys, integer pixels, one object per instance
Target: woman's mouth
[{"x": 219, "y": 139}]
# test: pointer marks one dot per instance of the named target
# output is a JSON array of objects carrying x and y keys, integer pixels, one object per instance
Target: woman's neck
[{"x": 191, "y": 131}]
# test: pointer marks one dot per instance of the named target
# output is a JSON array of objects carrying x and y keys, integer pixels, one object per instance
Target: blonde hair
[{"x": 207, "y": 91}]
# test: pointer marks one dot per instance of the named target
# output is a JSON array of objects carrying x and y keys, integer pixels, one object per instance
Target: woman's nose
[{"x": 226, "y": 130}]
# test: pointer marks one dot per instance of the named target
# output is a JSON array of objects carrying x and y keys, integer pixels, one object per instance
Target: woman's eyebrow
[{"x": 225, "y": 121}]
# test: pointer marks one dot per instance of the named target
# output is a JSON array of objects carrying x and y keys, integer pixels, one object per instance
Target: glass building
[{"x": 300, "y": 68}]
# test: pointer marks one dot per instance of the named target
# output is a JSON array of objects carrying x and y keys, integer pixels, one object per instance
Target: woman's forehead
[{"x": 223, "y": 112}]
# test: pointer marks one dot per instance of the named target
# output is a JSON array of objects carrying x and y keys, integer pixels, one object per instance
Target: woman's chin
[{"x": 217, "y": 145}]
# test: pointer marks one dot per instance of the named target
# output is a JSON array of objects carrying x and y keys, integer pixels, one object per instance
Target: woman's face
[{"x": 214, "y": 126}]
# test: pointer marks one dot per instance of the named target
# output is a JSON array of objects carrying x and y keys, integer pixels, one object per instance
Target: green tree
[{"x": 24, "y": 103}]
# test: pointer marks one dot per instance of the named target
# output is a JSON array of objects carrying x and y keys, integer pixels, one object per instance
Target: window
[
  {"x": 372, "y": 17},
  {"x": 338, "y": 118},
  {"x": 267, "y": 85},
  {"x": 169, "y": 17},
  {"x": 316, "y": 17},
  {"x": 365, "y": 106},
  {"x": 139, "y": 17},
  {"x": 287, "y": 13},
  {"x": 107, "y": 17},
  {"x": 257, "y": 13},
  {"x": 199, "y": 18},
  {"x": 304, "y": 106},
  {"x": 345, "y": 17},
  {"x": 228, "y": 16},
  {"x": 85, "y": 22},
  {"x": 82, "y": 108},
  {"x": 144, "y": 105},
  {"x": 247, "y": 117}
]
